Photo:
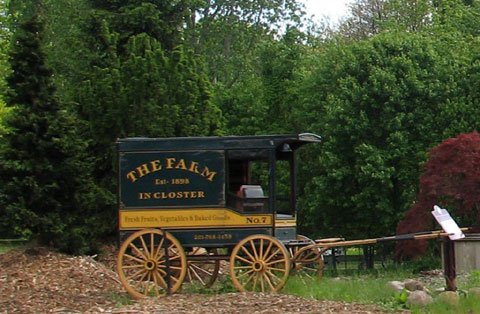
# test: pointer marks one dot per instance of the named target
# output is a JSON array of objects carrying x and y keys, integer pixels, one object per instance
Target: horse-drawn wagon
[{"x": 185, "y": 204}]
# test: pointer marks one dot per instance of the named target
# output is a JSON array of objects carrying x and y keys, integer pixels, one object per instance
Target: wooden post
[{"x": 449, "y": 264}]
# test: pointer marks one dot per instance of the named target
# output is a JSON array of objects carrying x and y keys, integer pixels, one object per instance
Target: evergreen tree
[
  {"x": 139, "y": 81},
  {"x": 42, "y": 166}
]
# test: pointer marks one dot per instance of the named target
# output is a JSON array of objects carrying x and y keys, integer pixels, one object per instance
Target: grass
[
  {"x": 120, "y": 298},
  {"x": 372, "y": 289},
  {"x": 369, "y": 288},
  {"x": 467, "y": 305},
  {"x": 365, "y": 289},
  {"x": 10, "y": 244}
]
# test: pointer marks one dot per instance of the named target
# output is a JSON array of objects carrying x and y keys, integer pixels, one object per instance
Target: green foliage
[
  {"x": 228, "y": 33},
  {"x": 137, "y": 80},
  {"x": 11, "y": 244},
  {"x": 457, "y": 16},
  {"x": 5, "y": 35},
  {"x": 401, "y": 297},
  {"x": 181, "y": 68},
  {"x": 44, "y": 167},
  {"x": 380, "y": 104},
  {"x": 251, "y": 71},
  {"x": 223, "y": 284},
  {"x": 427, "y": 262},
  {"x": 121, "y": 299},
  {"x": 279, "y": 61}
]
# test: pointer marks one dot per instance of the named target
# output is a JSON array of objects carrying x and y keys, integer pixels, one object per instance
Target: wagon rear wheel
[
  {"x": 307, "y": 261},
  {"x": 259, "y": 263},
  {"x": 151, "y": 263},
  {"x": 201, "y": 269}
]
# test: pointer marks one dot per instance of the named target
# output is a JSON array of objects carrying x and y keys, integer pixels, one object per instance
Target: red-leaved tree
[{"x": 451, "y": 180}]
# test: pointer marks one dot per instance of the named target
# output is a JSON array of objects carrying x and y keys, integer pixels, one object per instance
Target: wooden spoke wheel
[
  {"x": 201, "y": 269},
  {"x": 151, "y": 263},
  {"x": 307, "y": 261},
  {"x": 259, "y": 263}
]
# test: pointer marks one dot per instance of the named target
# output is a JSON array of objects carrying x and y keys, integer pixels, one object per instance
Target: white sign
[{"x": 448, "y": 224}]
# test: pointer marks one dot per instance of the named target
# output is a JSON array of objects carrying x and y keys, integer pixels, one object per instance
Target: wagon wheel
[
  {"x": 259, "y": 263},
  {"x": 307, "y": 262},
  {"x": 144, "y": 260},
  {"x": 202, "y": 270}
]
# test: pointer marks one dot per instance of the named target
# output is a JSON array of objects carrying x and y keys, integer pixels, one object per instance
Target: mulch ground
[{"x": 39, "y": 280}]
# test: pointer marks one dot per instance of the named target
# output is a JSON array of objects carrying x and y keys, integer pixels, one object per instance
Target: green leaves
[{"x": 379, "y": 103}]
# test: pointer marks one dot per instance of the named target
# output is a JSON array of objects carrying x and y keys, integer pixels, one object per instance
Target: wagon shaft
[{"x": 324, "y": 244}]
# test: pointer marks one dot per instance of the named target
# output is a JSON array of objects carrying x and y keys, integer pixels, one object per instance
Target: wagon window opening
[
  {"x": 248, "y": 185},
  {"x": 283, "y": 189}
]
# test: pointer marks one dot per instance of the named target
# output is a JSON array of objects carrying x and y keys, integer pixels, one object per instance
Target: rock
[
  {"x": 413, "y": 285},
  {"x": 474, "y": 292},
  {"x": 396, "y": 286},
  {"x": 419, "y": 297},
  {"x": 450, "y": 297}
]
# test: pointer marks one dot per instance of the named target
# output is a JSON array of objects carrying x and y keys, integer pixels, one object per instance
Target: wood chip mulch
[{"x": 39, "y": 280}]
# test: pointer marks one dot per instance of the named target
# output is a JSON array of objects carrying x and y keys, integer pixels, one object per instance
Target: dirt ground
[{"x": 38, "y": 280}]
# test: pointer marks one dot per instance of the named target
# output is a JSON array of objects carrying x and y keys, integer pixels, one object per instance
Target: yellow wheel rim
[
  {"x": 142, "y": 263},
  {"x": 259, "y": 263}
]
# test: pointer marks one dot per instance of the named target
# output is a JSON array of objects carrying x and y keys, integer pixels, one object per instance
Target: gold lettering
[
  {"x": 170, "y": 162},
  {"x": 144, "y": 195},
  {"x": 208, "y": 174},
  {"x": 131, "y": 176},
  {"x": 143, "y": 170},
  {"x": 193, "y": 167},
  {"x": 171, "y": 195},
  {"x": 181, "y": 164},
  {"x": 155, "y": 165}
]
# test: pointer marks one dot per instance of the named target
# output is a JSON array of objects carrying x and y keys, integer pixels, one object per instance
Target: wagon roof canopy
[{"x": 282, "y": 143}]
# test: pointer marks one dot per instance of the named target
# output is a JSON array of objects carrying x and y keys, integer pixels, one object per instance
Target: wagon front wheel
[
  {"x": 259, "y": 263},
  {"x": 151, "y": 263}
]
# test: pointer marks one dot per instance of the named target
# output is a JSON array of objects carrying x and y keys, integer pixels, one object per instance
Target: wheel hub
[
  {"x": 258, "y": 266},
  {"x": 150, "y": 264}
]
